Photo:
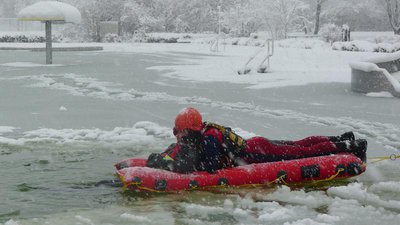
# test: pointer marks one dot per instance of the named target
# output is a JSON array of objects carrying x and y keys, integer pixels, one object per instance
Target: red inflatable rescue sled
[{"x": 137, "y": 177}]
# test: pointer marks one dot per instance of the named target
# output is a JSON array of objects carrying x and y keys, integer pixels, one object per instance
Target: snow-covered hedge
[
  {"x": 150, "y": 38},
  {"x": 366, "y": 46},
  {"x": 26, "y": 38},
  {"x": 202, "y": 38},
  {"x": 22, "y": 38},
  {"x": 176, "y": 37},
  {"x": 162, "y": 40},
  {"x": 370, "y": 42}
]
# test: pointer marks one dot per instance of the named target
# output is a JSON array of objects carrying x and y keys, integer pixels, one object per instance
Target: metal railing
[{"x": 267, "y": 50}]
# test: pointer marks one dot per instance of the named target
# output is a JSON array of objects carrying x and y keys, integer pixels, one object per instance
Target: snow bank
[
  {"x": 389, "y": 186},
  {"x": 12, "y": 222},
  {"x": 299, "y": 197},
  {"x": 211, "y": 209},
  {"x": 331, "y": 210},
  {"x": 358, "y": 192},
  {"x": 50, "y": 10},
  {"x": 383, "y": 94},
  {"x": 6, "y": 129},
  {"x": 142, "y": 133}
]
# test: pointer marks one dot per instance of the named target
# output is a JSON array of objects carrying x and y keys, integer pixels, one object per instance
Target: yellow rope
[
  {"x": 138, "y": 185},
  {"x": 382, "y": 158},
  {"x": 124, "y": 185},
  {"x": 150, "y": 189},
  {"x": 331, "y": 177},
  {"x": 281, "y": 178}
]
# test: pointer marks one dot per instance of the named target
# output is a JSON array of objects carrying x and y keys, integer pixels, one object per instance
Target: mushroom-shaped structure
[{"x": 48, "y": 12}]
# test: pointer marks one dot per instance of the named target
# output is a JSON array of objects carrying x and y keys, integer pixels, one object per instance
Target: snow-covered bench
[{"x": 377, "y": 75}]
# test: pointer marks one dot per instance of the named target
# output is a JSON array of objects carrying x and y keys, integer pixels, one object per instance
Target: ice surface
[
  {"x": 28, "y": 64},
  {"x": 277, "y": 105}
]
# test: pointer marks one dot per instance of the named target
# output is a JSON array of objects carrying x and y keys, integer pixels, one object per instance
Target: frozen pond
[{"x": 62, "y": 128}]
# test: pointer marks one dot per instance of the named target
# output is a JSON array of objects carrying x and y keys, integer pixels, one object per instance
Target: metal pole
[
  {"x": 219, "y": 26},
  {"x": 49, "y": 49}
]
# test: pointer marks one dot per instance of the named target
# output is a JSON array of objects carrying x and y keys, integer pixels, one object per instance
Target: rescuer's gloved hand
[{"x": 157, "y": 161}]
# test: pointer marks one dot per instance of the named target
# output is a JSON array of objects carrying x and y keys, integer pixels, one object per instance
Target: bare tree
[
  {"x": 287, "y": 13},
  {"x": 95, "y": 11},
  {"x": 393, "y": 10},
  {"x": 318, "y": 15}
]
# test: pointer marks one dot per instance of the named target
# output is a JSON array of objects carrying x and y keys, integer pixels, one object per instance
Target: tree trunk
[
  {"x": 393, "y": 10},
  {"x": 317, "y": 16},
  {"x": 97, "y": 38}
]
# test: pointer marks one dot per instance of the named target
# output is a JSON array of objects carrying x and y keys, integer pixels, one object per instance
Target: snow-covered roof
[{"x": 50, "y": 10}]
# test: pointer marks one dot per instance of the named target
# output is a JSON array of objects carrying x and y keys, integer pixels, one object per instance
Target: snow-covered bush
[
  {"x": 27, "y": 38},
  {"x": 21, "y": 38},
  {"x": 112, "y": 38},
  {"x": 139, "y": 36},
  {"x": 253, "y": 40},
  {"x": 331, "y": 33},
  {"x": 162, "y": 40},
  {"x": 366, "y": 46}
]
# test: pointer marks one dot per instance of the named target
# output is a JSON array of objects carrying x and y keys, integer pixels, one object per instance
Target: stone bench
[{"x": 377, "y": 75}]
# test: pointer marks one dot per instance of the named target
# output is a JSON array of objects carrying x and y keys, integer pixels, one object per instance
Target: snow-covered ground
[
  {"x": 63, "y": 127},
  {"x": 288, "y": 69}
]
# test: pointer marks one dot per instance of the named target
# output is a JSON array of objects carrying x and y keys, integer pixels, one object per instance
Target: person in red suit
[{"x": 204, "y": 146}]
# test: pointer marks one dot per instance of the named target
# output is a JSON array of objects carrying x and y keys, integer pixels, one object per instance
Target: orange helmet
[{"x": 188, "y": 118}]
